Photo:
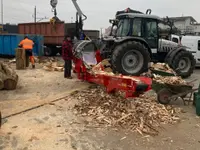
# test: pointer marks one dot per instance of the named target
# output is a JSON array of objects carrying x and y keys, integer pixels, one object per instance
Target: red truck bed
[{"x": 51, "y": 36}]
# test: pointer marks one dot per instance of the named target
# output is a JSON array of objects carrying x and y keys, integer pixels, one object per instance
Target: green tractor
[{"x": 135, "y": 41}]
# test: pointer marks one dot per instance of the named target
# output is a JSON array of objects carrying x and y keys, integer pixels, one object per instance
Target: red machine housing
[{"x": 132, "y": 86}]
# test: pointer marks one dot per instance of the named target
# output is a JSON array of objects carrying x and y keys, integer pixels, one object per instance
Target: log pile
[
  {"x": 143, "y": 114},
  {"x": 8, "y": 77},
  {"x": 173, "y": 80}
]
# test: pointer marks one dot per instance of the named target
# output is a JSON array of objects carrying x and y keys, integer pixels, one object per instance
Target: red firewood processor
[{"x": 91, "y": 68}]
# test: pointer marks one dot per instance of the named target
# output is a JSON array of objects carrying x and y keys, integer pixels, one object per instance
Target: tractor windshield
[{"x": 123, "y": 28}]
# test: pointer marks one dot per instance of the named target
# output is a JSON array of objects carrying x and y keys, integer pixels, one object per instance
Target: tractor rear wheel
[
  {"x": 183, "y": 63},
  {"x": 130, "y": 58}
]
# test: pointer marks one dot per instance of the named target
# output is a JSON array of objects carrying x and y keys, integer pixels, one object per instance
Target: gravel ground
[{"x": 54, "y": 126}]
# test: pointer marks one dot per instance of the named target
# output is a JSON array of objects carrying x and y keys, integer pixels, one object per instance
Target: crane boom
[
  {"x": 79, "y": 11},
  {"x": 54, "y": 3},
  {"x": 80, "y": 17}
]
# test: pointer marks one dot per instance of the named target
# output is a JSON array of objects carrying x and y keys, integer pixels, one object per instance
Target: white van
[{"x": 192, "y": 43}]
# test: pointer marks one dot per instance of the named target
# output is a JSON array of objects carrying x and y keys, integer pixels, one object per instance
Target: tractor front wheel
[
  {"x": 183, "y": 63},
  {"x": 130, "y": 58}
]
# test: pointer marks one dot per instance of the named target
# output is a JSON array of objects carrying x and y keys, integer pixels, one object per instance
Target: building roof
[{"x": 182, "y": 18}]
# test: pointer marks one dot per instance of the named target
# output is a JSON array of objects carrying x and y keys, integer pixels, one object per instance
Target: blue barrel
[{"x": 9, "y": 42}]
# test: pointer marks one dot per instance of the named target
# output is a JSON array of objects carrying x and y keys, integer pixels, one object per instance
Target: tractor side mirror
[{"x": 114, "y": 21}]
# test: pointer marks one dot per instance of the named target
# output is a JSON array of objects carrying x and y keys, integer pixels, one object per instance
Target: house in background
[{"x": 187, "y": 25}]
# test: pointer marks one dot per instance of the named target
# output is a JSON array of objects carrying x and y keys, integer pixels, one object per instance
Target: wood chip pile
[
  {"x": 162, "y": 67},
  {"x": 169, "y": 80},
  {"x": 143, "y": 114}
]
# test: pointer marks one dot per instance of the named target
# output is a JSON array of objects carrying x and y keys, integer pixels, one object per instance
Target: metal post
[
  {"x": 101, "y": 33},
  {"x": 35, "y": 14},
  {"x": 2, "y": 14},
  {"x": 35, "y": 17}
]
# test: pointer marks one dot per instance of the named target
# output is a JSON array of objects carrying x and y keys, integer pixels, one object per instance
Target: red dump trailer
[{"x": 53, "y": 34}]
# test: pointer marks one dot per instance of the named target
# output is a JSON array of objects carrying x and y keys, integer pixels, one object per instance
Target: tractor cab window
[
  {"x": 151, "y": 33},
  {"x": 199, "y": 45},
  {"x": 151, "y": 29},
  {"x": 123, "y": 28},
  {"x": 136, "y": 31},
  {"x": 175, "y": 40}
]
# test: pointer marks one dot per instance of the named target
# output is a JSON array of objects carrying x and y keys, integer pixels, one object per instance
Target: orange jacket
[{"x": 26, "y": 44}]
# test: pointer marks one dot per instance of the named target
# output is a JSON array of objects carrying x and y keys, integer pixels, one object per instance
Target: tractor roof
[
  {"x": 134, "y": 13},
  {"x": 128, "y": 10}
]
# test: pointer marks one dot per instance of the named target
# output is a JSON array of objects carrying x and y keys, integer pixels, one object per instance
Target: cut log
[
  {"x": 1, "y": 84},
  {"x": 0, "y": 119},
  {"x": 20, "y": 59},
  {"x": 2, "y": 77},
  {"x": 8, "y": 77}
]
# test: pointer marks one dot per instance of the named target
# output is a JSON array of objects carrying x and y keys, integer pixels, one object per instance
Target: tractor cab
[{"x": 132, "y": 23}]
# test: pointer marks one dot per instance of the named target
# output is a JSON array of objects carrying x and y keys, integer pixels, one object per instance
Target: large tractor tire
[
  {"x": 130, "y": 58},
  {"x": 183, "y": 63},
  {"x": 50, "y": 51}
]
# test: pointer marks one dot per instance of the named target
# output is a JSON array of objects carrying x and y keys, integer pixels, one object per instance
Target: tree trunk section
[
  {"x": 8, "y": 77},
  {"x": 20, "y": 59},
  {"x": 1, "y": 84}
]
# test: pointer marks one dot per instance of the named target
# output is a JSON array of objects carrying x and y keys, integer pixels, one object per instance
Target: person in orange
[{"x": 28, "y": 44}]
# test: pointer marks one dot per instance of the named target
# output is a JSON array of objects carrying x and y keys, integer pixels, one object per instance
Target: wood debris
[
  {"x": 44, "y": 59},
  {"x": 12, "y": 60},
  {"x": 162, "y": 67},
  {"x": 143, "y": 114},
  {"x": 173, "y": 80},
  {"x": 103, "y": 66},
  {"x": 54, "y": 66},
  {"x": 51, "y": 64}
]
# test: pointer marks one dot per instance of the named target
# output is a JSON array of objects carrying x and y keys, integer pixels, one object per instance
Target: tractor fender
[
  {"x": 137, "y": 39},
  {"x": 173, "y": 52}
]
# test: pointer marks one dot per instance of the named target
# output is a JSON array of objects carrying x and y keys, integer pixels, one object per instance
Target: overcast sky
[{"x": 97, "y": 11}]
